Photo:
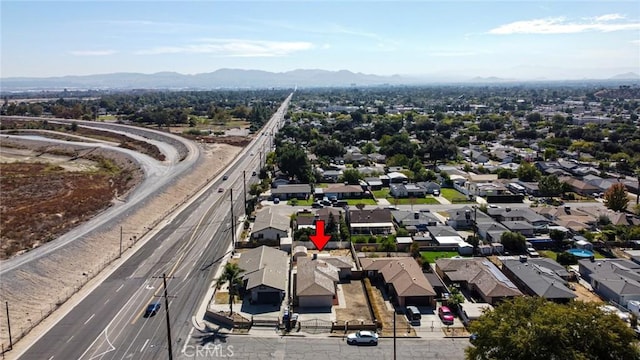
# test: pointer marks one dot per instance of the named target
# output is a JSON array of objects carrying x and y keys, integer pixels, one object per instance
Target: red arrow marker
[{"x": 319, "y": 239}]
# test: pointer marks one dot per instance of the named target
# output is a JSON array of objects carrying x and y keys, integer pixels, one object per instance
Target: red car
[{"x": 445, "y": 315}]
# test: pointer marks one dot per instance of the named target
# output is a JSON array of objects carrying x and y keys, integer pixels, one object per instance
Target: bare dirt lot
[{"x": 357, "y": 308}]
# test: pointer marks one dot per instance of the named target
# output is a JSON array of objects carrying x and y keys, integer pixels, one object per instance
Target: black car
[{"x": 152, "y": 309}]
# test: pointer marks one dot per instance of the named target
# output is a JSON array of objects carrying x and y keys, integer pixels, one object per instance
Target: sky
[{"x": 563, "y": 39}]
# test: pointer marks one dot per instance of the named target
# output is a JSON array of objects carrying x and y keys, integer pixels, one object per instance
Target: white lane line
[
  {"x": 89, "y": 319},
  {"x": 69, "y": 339},
  {"x": 106, "y": 301},
  {"x": 144, "y": 345},
  {"x": 50, "y": 358},
  {"x": 120, "y": 287},
  {"x": 184, "y": 348}
]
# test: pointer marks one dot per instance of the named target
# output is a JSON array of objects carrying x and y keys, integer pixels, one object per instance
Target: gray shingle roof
[
  {"x": 544, "y": 282},
  {"x": 265, "y": 266}
]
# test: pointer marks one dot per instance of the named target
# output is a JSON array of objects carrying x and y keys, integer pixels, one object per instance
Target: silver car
[{"x": 362, "y": 337}]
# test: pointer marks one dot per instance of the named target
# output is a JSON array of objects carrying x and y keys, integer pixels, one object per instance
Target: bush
[{"x": 565, "y": 258}]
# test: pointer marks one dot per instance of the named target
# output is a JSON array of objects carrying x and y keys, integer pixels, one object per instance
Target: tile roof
[
  {"x": 316, "y": 277},
  {"x": 404, "y": 273},
  {"x": 480, "y": 272}
]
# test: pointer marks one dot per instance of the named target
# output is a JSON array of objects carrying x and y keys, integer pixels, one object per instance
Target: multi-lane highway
[{"x": 187, "y": 247}]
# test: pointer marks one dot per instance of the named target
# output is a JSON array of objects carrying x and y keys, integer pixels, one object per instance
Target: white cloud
[
  {"x": 609, "y": 17},
  {"x": 560, "y": 25},
  {"x": 92, "y": 52},
  {"x": 636, "y": 42},
  {"x": 234, "y": 48},
  {"x": 453, "y": 53}
]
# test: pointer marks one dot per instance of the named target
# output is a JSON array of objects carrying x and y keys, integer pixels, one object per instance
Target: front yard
[
  {"x": 356, "y": 307},
  {"x": 453, "y": 195}
]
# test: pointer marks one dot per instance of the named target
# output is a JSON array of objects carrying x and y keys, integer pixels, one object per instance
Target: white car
[{"x": 362, "y": 337}]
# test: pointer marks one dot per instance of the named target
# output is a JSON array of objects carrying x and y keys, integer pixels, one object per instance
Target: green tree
[
  {"x": 414, "y": 249},
  {"x": 513, "y": 241},
  {"x": 293, "y": 161},
  {"x": 351, "y": 176},
  {"x": 558, "y": 237},
  {"x": 565, "y": 258},
  {"x": 531, "y": 328},
  {"x": 616, "y": 197},
  {"x": 231, "y": 275},
  {"x": 388, "y": 245},
  {"x": 528, "y": 172},
  {"x": 550, "y": 185},
  {"x": 504, "y": 173}
]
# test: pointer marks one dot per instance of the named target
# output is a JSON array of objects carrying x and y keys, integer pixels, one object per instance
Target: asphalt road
[
  {"x": 187, "y": 247},
  {"x": 206, "y": 346}
]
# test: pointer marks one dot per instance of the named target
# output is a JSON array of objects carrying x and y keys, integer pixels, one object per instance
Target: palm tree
[{"x": 231, "y": 274}]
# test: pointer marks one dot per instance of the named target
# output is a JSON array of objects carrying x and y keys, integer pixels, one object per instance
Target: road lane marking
[
  {"x": 90, "y": 317},
  {"x": 69, "y": 339},
  {"x": 143, "y": 345},
  {"x": 51, "y": 358},
  {"x": 120, "y": 287},
  {"x": 186, "y": 342},
  {"x": 106, "y": 301}
]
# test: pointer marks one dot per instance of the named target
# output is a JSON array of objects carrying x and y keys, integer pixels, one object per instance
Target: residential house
[
  {"x": 501, "y": 214},
  {"x": 616, "y": 280},
  {"x": 479, "y": 276},
  {"x": 521, "y": 227},
  {"x": 344, "y": 191},
  {"x": 572, "y": 219},
  {"x": 265, "y": 274},
  {"x": 373, "y": 183},
  {"x": 307, "y": 219},
  {"x": 371, "y": 222},
  {"x": 464, "y": 218},
  {"x": 414, "y": 220},
  {"x": 530, "y": 188},
  {"x": 270, "y": 225},
  {"x": 602, "y": 184},
  {"x": 407, "y": 190},
  {"x": 579, "y": 186},
  {"x": 397, "y": 177},
  {"x": 316, "y": 282},
  {"x": 403, "y": 279},
  {"x": 330, "y": 175},
  {"x": 540, "y": 277},
  {"x": 430, "y": 186},
  {"x": 291, "y": 191},
  {"x": 491, "y": 231}
]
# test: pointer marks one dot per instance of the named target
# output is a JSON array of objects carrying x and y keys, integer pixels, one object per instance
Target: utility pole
[
  {"x": 166, "y": 303},
  {"x": 394, "y": 334},
  {"x": 233, "y": 225},
  {"x": 244, "y": 185},
  {"x": 9, "y": 325}
]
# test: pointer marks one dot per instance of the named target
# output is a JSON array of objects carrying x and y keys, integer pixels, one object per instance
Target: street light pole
[{"x": 244, "y": 185}]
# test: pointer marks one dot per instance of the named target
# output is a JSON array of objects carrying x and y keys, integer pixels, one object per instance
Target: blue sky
[{"x": 512, "y": 39}]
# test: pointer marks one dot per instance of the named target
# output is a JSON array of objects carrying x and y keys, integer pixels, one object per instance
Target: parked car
[
  {"x": 316, "y": 205},
  {"x": 253, "y": 173},
  {"x": 413, "y": 315},
  {"x": 362, "y": 337},
  {"x": 152, "y": 309},
  {"x": 276, "y": 200},
  {"x": 220, "y": 190},
  {"x": 445, "y": 315},
  {"x": 436, "y": 192},
  {"x": 225, "y": 177}
]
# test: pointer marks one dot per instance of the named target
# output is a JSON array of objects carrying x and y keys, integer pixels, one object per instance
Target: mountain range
[{"x": 236, "y": 78}]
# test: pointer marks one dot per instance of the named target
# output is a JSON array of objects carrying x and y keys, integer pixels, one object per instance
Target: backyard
[{"x": 432, "y": 256}]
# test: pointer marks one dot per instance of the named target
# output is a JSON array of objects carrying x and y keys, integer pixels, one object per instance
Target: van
[{"x": 413, "y": 315}]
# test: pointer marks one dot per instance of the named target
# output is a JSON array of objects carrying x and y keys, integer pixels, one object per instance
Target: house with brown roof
[
  {"x": 371, "y": 222},
  {"x": 341, "y": 191},
  {"x": 403, "y": 279},
  {"x": 316, "y": 281},
  {"x": 579, "y": 186},
  {"x": 479, "y": 276}
]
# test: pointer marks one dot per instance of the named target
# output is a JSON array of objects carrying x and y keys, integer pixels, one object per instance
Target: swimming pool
[{"x": 581, "y": 253}]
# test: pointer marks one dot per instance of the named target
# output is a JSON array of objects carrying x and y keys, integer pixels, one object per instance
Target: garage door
[{"x": 269, "y": 297}]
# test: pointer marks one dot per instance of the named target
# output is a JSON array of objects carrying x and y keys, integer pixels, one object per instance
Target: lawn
[
  {"x": 381, "y": 194},
  {"x": 453, "y": 195},
  {"x": 432, "y": 256},
  {"x": 415, "y": 201},
  {"x": 296, "y": 202},
  {"x": 354, "y": 202},
  {"x": 548, "y": 254}
]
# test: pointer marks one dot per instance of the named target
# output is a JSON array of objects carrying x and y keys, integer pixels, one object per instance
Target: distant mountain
[
  {"x": 626, "y": 76},
  {"x": 223, "y": 78}
]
